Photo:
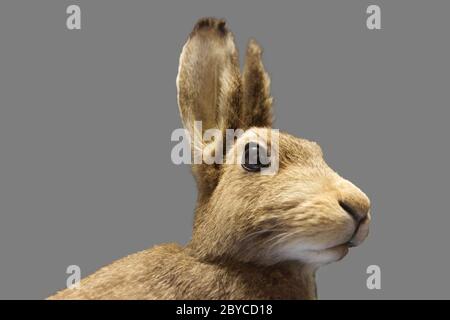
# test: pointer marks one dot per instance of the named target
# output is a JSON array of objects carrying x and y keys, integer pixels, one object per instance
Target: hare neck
[
  {"x": 286, "y": 280},
  {"x": 247, "y": 280},
  {"x": 235, "y": 266}
]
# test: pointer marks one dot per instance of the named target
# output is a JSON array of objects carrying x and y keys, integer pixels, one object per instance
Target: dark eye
[{"x": 255, "y": 157}]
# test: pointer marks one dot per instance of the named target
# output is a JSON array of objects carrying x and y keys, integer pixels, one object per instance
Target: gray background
[{"x": 86, "y": 118}]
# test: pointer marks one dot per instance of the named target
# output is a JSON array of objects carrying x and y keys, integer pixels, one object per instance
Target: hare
[{"x": 255, "y": 236}]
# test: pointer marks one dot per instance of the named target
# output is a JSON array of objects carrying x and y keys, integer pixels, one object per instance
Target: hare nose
[{"x": 357, "y": 210}]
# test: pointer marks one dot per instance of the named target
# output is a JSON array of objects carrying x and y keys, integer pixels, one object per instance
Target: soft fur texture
[{"x": 255, "y": 236}]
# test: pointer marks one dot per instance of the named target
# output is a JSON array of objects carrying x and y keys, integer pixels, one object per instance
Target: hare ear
[
  {"x": 209, "y": 88},
  {"x": 208, "y": 82},
  {"x": 257, "y": 102}
]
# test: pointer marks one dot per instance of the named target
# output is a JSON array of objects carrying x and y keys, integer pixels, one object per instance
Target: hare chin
[{"x": 297, "y": 251}]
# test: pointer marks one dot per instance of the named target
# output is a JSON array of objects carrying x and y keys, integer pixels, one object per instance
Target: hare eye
[{"x": 255, "y": 157}]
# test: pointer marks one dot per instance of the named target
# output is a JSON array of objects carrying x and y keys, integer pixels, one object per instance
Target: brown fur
[{"x": 255, "y": 236}]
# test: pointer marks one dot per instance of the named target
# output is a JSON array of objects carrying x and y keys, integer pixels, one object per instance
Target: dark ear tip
[
  {"x": 210, "y": 23},
  {"x": 221, "y": 26},
  {"x": 253, "y": 48}
]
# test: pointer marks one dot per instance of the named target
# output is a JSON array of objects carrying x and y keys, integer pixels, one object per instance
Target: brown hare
[{"x": 255, "y": 236}]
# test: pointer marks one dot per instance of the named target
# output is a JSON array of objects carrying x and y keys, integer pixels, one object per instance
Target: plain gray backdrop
[{"x": 86, "y": 118}]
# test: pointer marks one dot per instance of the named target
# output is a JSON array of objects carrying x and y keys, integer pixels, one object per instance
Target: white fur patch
[{"x": 300, "y": 252}]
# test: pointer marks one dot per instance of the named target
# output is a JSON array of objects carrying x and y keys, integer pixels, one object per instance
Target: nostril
[{"x": 353, "y": 212}]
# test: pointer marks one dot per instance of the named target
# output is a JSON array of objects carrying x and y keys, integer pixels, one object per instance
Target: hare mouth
[{"x": 360, "y": 234}]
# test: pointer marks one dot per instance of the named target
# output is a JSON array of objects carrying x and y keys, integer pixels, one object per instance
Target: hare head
[{"x": 302, "y": 211}]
